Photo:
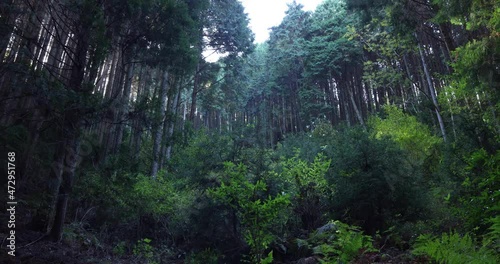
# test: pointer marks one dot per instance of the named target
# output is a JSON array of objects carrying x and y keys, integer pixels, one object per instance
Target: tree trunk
[
  {"x": 172, "y": 124},
  {"x": 66, "y": 186},
  {"x": 356, "y": 110},
  {"x": 72, "y": 123},
  {"x": 124, "y": 105},
  {"x": 194, "y": 95},
  {"x": 157, "y": 135},
  {"x": 432, "y": 91}
]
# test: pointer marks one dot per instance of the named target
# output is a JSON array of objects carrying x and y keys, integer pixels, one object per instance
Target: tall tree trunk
[
  {"x": 172, "y": 123},
  {"x": 124, "y": 107},
  {"x": 356, "y": 110},
  {"x": 72, "y": 123},
  {"x": 432, "y": 92},
  {"x": 445, "y": 29},
  {"x": 194, "y": 95},
  {"x": 66, "y": 185},
  {"x": 157, "y": 135}
]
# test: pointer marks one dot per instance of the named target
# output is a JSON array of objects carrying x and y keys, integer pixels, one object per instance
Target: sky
[{"x": 264, "y": 14}]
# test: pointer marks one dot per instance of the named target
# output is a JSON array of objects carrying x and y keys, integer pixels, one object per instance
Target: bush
[
  {"x": 412, "y": 136},
  {"x": 255, "y": 213},
  {"x": 373, "y": 181},
  {"x": 144, "y": 250},
  {"x": 309, "y": 190},
  {"x": 206, "y": 256},
  {"x": 480, "y": 195}
]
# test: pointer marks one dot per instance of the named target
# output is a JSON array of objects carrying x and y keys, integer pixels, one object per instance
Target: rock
[
  {"x": 325, "y": 228},
  {"x": 309, "y": 260}
]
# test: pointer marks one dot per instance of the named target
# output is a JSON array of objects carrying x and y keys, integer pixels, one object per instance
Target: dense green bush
[
  {"x": 128, "y": 198},
  {"x": 256, "y": 213},
  {"x": 412, "y": 136},
  {"x": 373, "y": 181},
  {"x": 480, "y": 190},
  {"x": 204, "y": 153},
  {"x": 306, "y": 184}
]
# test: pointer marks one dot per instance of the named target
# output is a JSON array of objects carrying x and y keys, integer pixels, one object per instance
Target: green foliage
[
  {"x": 472, "y": 14},
  {"x": 307, "y": 186},
  {"x": 257, "y": 215},
  {"x": 329, "y": 49},
  {"x": 156, "y": 195},
  {"x": 373, "y": 181},
  {"x": 206, "y": 256},
  {"x": 411, "y": 135},
  {"x": 454, "y": 249},
  {"x": 227, "y": 27},
  {"x": 473, "y": 91},
  {"x": 338, "y": 242},
  {"x": 205, "y": 152},
  {"x": 492, "y": 238},
  {"x": 480, "y": 189},
  {"x": 128, "y": 197},
  {"x": 382, "y": 71},
  {"x": 298, "y": 173},
  {"x": 144, "y": 250},
  {"x": 120, "y": 249},
  {"x": 77, "y": 234}
]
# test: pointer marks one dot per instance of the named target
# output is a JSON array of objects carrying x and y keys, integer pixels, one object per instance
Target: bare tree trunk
[
  {"x": 194, "y": 95},
  {"x": 432, "y": 91},
  {"x": 356, "y": 110},
  {"x": 124, "y": 105},
  {"x": 157, "y": 135},
  {"x": 173, "y": 111},
  {"x": 65, "y": 187},
  {"x": 142, "y": 94}
]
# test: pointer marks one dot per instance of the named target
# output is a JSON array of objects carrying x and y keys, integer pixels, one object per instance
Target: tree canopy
[{"x": 360, "y": 132}]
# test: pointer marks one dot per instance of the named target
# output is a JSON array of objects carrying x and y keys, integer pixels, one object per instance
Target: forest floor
[{"x": 33, "y": 250}]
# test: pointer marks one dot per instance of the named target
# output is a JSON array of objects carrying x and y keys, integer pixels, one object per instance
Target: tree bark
[
  {"x": 432, "y": 92},
  {"x": 194, "y": 95},
  {"x": 124, "y": 105},
  {"x": 356, "y": 110},
  {"x": 157, "y": 136},
  {"x": 66, "y": 186}
]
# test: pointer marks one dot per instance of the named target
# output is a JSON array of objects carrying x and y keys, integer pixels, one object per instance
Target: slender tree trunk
[
  {"x": 124, "y": 105},
  {"x": 157, "y": 135},
  {"x": 432, "y": 92},
  {"x": 194, "y": 95},
  {"x": 356, "y": 110},
  {"x": 445, "y": 29},
  {"x": 171, "y": 128}
]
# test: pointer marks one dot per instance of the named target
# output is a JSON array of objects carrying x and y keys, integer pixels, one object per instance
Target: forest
[{"x": 366, "y": 131}]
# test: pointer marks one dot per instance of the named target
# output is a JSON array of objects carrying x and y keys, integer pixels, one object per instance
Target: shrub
[
  {"x": 309, "y": 190},
  {"x": 373, "y": 182},
  {"x": 206, "y": 256},
  {"x": 144, "y": 250},
  {"x": 411, "y": 135},
  {"x": 255, "y": 213},
  {"x": 480, "y": 195}
]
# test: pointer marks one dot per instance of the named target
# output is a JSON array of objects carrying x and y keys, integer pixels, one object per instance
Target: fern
[
  {"x": 342, "y": 243},
  {"x": 452, "y": 248},
  {"x": 492, "y": 238}
]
